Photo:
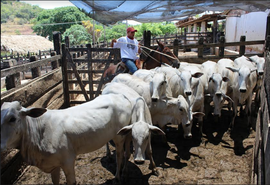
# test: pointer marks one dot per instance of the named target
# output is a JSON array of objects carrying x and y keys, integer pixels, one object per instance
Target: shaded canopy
[{"x": 110, "y": 12}]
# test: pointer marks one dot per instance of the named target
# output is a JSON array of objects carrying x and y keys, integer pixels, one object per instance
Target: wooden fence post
[
  {"x": 267, "y": 36},
  {"x": 57, "y": 42},
  {"x": 90, "y": 72},
  {"x": 65, "y": 77},
  {"x": 221, "y": 48},
  {"x": 67, "y": 42},
  {"x": 175, "y": 47},
  {"x": 147, "y": 42},
  {"x": 200, "y": 48},
  {"x": 242, "y": 48},
  {"x": 54, "y": 64},
  {"x": 12, "y": 80},
  {"x": 36, "y": 72}
]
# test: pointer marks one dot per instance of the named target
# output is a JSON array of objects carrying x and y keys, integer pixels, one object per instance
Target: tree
[
  {"x": 77, "y": 35},
  {"x": 58, "y": 19}
]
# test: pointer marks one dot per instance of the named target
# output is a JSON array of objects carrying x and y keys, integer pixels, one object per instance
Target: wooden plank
[
  {"x": 90, "y": 74},
  {"x": 93, "y": 61},
  {"x": 25, "y": 67},
  {"x": 77, "y": 74},
  {"x": 31, "y": 92},
  {"x": 49, "y": 97},
  {"x": 65, "y": 76},
  {"x": 83, "y": 81},
  {"x": 85, "y": 71},
  {"x": 93, "y": 49},
  {"x": 216, "y": 44},
  {"x": 102, "y": 80}
]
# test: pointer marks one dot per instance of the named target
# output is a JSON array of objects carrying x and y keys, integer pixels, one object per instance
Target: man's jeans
[{"x": 130, "y": 64}]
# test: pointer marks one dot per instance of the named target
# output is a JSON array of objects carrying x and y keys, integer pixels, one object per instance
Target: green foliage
[
  {"x": 77, "y": 35},
  {"x": 58, "y": 19},
  {"x": 12, "y": 9},
  {"x": 115, "y": 31}
]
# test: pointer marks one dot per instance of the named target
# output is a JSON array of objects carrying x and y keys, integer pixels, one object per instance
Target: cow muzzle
[
  {"x": 139, "y": 161},
  {"x": 260, "y": 73},
  {"x": 189, "y": 136},
  {"x": 154, "y": 99},
  {"x": 188, "y": 93},
  {"x": 243, "y": 90}
]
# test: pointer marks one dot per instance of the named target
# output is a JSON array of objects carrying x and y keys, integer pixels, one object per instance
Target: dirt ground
[{"x": 219, "y": 157}]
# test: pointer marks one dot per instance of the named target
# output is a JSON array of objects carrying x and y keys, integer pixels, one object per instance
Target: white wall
[{"x": 252, "y": 25}]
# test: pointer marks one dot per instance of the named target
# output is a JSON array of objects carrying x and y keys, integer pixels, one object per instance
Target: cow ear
[
  {"x": 33, "y": 112},
  {"x": 253, "y": 58},
  {"x": 233, "y": 69},
  {"x": 125, "y": 130},
  {"x": 156, "y": 130},
  {"x": 197, "y": 75},
  {"x": 198, "y": 114},
  {"x": 225, "y": 79}
]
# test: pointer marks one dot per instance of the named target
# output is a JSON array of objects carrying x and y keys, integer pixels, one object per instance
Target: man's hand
[{"x": 113, "y": 41}]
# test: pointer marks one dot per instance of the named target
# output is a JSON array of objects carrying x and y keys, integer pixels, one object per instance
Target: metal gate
[{"x": 83, "y": 70}]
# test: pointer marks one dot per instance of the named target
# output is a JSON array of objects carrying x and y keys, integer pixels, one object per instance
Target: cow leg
[
  {"x": 127, "y": 154},
  {"x": 234, "y": 114},
  {"x": 69, "y": 171},
  {"x": 248, "y": 110},
  {"x": 119, "y": 146},
  {"x": 55, "y": 175},
  {"x": 152, "y": 162}
]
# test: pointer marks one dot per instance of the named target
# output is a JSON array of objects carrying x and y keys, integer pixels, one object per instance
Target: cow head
[
  {"x": 219, "y": 100},
  {"x": 259, "y": 61},
  {"x": 13, "y": 117},
  {"x": 141, "y": 135},
  {"x": 243, "y": 77},
  {"x": 158, "y": 86},
  {"x": 186, "y": 81}
]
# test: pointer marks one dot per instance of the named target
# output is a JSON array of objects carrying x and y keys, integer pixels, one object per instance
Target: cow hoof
[{"x": 156, "y": 172}]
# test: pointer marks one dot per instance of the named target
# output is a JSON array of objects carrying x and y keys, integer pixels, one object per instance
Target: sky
[
  {"x": 49, "y": 4},
  {"x": 55, "y": 4}
]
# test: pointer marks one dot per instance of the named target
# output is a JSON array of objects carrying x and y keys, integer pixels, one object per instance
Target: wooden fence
[
  {"x": 22, "y": 58},
  {"x": 261, "y": 166}
]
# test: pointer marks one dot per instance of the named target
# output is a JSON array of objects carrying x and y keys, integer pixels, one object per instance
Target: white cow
[
  {"x": 243, "y": 84},
  {"x": 141, "y": 126},
  {"x": 213, "y": 83},
  {"x": 51, "y": 139},
  {"x": 196, "y": 99},
  {"x": 176, "y": 111},
  {"x": 179, "y": 82},
  {"x": 168, "y": 109},
  {"x": 259, "y": 61},
  {"x": 186, "y": 83},
  {"x": 158, "y": 83},
  {"x": 137, "y": 84}
]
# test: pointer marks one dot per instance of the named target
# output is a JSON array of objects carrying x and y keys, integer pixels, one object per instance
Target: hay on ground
[{"x": 24, "y": 43}]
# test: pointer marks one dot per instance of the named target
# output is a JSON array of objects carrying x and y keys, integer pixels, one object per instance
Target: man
[{"x": 129, "y": 48}]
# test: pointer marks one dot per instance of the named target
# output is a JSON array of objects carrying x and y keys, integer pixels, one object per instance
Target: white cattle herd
[{"x": 130, "y": 109}]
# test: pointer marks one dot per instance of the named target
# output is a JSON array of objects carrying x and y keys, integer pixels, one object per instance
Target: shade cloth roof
[{"x": 110, "y": 12}]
